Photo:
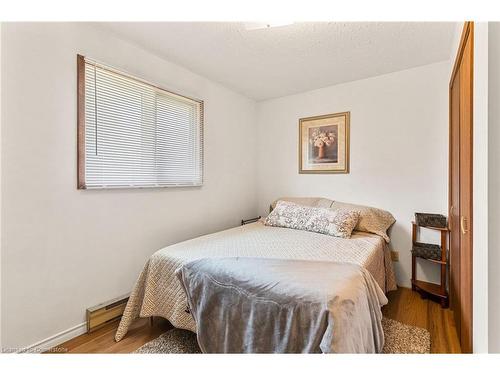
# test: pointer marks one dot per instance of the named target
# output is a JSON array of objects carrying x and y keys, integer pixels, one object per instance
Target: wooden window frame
[
  {"x": 81, "y": 121},
  {"x": 81, "y": 181}
]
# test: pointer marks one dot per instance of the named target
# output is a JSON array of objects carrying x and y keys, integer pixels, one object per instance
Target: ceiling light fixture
[{"x": 266, "y": 25}]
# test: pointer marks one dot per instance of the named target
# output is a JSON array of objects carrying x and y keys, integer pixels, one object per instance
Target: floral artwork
[{"x": 324, "y": 144}]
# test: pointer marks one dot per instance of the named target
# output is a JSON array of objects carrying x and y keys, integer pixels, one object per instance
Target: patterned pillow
[
  {"x": 371, "y": 220},
  {"x": 338, "y": 223}
]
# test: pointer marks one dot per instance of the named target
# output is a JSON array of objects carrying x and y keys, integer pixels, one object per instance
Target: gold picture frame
[{"x": 324, "y": 143}]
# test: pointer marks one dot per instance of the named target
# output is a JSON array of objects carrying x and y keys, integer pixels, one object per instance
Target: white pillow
[
  {"x": 338, "y": 223},
  {"x": 305, "y": 201}
]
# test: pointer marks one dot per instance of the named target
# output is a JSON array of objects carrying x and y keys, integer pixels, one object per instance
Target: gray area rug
[{"x": 399, "y": 338}]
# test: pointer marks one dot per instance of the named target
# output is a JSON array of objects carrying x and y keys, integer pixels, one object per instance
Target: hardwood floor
[
  {"x": 103, "y": 339},
  {"x": 404, "y": 305}
]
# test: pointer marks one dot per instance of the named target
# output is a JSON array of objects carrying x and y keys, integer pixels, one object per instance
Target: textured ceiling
[{"x": 279, "y": 61}]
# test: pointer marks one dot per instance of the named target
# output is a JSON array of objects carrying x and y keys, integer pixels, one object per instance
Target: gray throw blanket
[{"x": 258, "y": 305}]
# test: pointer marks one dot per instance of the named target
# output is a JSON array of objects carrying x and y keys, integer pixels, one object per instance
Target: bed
[{"x": 158, "y": 291}]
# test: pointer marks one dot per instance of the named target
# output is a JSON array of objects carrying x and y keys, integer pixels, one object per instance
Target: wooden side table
[{"x": 429, "y": 253}]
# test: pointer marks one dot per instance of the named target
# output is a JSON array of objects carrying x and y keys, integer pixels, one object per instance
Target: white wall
[
  {"x": 0, "y": 183},
  {"x": 480, "y": 190},
  {"x": 399, "y": 149},
  {"x": 64, "y": 250},
  {"x": 454, "y": 45},
  {"x": 494, "y": 187}
]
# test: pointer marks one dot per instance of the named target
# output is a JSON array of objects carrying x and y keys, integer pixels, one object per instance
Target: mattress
[{"x": 158, "y": 292}]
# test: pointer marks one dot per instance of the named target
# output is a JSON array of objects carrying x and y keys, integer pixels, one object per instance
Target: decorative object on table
[
  {"x": 433, "y": 253},
  {"x": 426, "y": 250},
  {"x": 324, "y": 143},
  {"x": 248, "y": 221},
  {"x": 430, "y": 220}
]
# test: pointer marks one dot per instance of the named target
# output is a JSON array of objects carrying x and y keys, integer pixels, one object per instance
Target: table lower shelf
[
  {"x": 438, "y": 261},
  {"x": 431, "y": 288}
]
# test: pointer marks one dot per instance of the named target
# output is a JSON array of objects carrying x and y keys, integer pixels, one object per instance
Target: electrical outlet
[{"x": 395, "y": 256}]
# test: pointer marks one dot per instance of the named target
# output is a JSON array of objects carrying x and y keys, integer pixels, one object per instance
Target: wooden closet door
[
  {"x": 454, "y": 196},
  {"x": 466, "y": 197},
  {"x": 460, "y": 189}
]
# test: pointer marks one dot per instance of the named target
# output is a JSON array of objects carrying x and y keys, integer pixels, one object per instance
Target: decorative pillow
[
  {"x": 338, "y": 223},
  {"x": 371, "y": 220},
  {"x": 305, "y": 201}
]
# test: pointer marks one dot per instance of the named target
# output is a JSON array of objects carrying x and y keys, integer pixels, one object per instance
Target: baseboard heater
[{"x": 105, "y": 312}]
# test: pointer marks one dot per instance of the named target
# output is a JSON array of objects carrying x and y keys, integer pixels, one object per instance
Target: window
[{"x": 134, "y": 134}]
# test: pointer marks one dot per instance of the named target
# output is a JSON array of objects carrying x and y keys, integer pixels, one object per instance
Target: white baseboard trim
[{"x": 53, "y": 341}]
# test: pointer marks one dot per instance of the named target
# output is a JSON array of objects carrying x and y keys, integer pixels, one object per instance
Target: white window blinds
[{"x": 136, "y": 134}]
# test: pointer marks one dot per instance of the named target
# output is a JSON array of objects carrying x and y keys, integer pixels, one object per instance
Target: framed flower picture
[{"x": 324, "y": 143}]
